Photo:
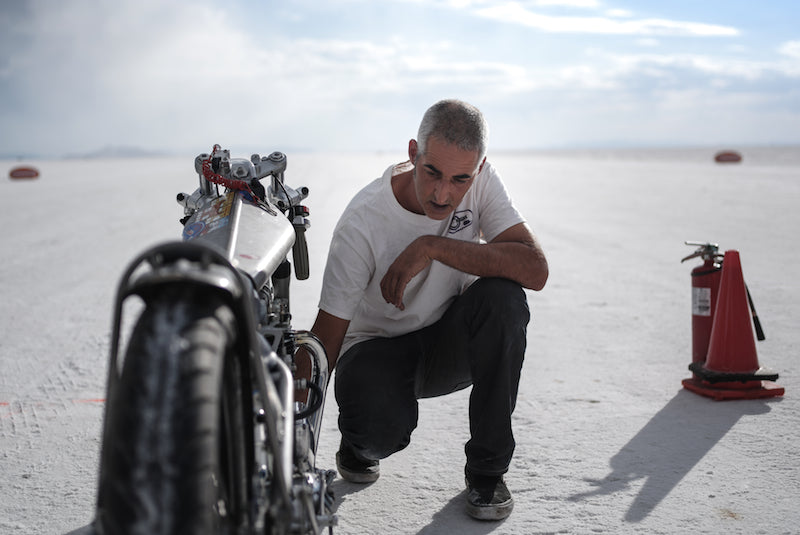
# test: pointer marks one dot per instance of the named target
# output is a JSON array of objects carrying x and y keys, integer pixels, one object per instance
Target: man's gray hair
[{"x": 457, "y": 123}]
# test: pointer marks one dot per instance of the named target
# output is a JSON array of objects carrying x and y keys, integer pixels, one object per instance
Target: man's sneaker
[
  {"x": 488, "y": 497},
  {"x": 354, "y": 468}
]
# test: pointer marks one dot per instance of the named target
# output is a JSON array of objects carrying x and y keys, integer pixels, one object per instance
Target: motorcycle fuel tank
[{"x": 255, "y": 238}]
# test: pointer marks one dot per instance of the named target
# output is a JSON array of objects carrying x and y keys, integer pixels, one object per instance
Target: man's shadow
[
  {"x": 668, "y": 447},
  {"x": 452, "y": 518}
]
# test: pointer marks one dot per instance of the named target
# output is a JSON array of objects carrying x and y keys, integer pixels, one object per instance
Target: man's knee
[
  {"x": 498, "y": 328},
  {"x": 502, "y": 299},
  {"x": 377, "y": 407},
  {"x": 375, "y": 443},
  {"x": 376, "y": 428}
]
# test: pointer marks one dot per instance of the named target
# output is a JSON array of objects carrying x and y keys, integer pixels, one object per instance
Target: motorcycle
[{"x": 202, "y": 432}]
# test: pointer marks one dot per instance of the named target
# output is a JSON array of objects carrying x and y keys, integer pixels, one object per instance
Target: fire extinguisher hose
[{"x": 756, "y": 322}]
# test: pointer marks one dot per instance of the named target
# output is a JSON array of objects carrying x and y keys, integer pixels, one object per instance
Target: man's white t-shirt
[{"x": 374, "y": 229}]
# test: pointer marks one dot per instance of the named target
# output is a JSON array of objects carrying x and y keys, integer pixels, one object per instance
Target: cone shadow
[{"x": 668, "y": 447}]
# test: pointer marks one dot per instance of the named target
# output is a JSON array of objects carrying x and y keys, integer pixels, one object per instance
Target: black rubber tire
[{"x": 175, "y": 453}]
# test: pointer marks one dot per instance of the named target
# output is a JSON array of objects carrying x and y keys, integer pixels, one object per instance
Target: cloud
[
  {"x": 567, "y": 3},
  {"x": 619, "y": 13},
  {"x": 97, "y": 71},
  {"x": 791, "y": 49},
  {"x": 579, "y": 4},
  {"x": 648, "y": 42},
  {"x": 172, "y": 75},
  {"x": 81, "y": 75},
  {"x": 516, "y": 13},
  {"x": 166, "y": 75}
]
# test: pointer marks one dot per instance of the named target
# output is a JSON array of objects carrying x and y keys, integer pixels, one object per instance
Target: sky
[{"x": 357, "y": 75}]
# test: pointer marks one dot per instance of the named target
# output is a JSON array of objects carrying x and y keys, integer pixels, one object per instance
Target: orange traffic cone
[{"x": 731, "y": 369}]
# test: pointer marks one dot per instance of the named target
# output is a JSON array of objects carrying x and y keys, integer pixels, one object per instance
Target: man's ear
[
  {"x": 480, "y": 167},
  {"x": 413, "y": 150}
]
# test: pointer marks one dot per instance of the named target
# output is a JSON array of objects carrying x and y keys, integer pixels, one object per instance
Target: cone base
[
  {"x": 722, "y": 392},
  {"x": 733, "y": 378}
]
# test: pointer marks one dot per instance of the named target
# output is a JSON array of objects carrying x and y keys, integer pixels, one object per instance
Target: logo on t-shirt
[{"x": 461, "y": 220}]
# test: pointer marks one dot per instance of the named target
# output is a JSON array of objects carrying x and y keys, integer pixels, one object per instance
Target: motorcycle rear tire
[{"x": 175, "y": 446}]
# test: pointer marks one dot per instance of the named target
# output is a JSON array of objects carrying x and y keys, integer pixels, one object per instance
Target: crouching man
[{"x": 423, "y": 296}]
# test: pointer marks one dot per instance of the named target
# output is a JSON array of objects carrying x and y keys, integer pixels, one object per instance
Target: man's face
[{"x": 442, "y": 176}]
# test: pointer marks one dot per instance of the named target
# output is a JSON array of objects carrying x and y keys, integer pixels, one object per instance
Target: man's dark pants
[{"x": 480, "y": 340}]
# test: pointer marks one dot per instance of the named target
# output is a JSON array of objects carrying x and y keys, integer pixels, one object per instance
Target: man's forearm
[
  {"x": 517, "y": 261},
  {"x": 514, "y": 254}
]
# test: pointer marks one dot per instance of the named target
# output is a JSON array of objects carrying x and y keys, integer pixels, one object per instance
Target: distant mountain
[
  {"x": 19, "y": 156},
  {"x": 116, "y": 151}
]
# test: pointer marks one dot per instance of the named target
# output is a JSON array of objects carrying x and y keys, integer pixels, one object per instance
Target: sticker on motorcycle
[{"x": 214, "y": 216}]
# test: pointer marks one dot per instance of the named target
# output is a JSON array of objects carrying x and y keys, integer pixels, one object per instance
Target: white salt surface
[{"x": 607, "y": 440}]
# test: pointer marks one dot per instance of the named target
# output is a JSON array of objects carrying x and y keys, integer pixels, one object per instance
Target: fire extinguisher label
[{"x": 701, "y": 301}]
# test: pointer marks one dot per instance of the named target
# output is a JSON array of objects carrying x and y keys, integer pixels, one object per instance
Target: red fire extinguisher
[{"x": 705, "y": 289}]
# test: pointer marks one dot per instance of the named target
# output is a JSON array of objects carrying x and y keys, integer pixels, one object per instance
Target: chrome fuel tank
[{"x": 255, "y": 238}]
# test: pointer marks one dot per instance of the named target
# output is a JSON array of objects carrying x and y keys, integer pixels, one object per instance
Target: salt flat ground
[{"x": 607, "y": 440}]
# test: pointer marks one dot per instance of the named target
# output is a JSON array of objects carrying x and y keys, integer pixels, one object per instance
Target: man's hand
[
  {"x": 330, "y": 330},
  {"x": 410, "y": 262}
]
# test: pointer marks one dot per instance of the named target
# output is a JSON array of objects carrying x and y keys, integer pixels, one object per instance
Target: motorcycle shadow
[{"x": 343, "y": 488}]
